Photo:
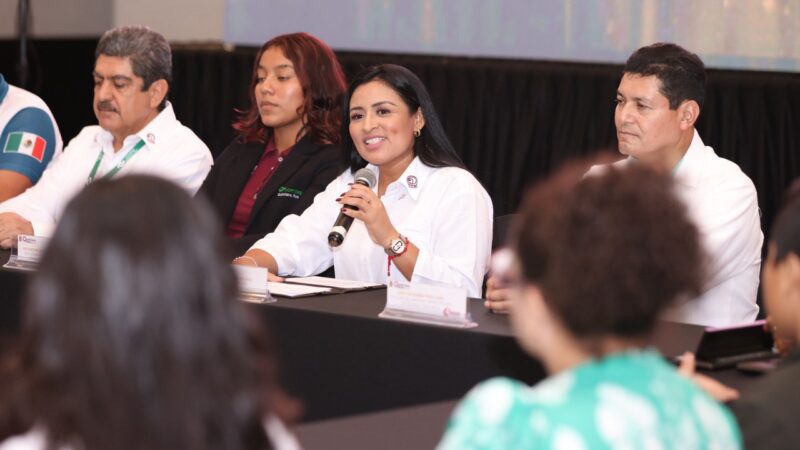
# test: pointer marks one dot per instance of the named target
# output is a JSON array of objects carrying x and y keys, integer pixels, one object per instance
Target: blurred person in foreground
[
  {"x": 594, "y": 262},
  {"x": 132, "y": 335}
]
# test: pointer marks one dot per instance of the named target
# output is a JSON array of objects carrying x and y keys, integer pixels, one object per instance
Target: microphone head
[
  {"x": 336, "y": 236},
  {"x": 365, "y": 177}
]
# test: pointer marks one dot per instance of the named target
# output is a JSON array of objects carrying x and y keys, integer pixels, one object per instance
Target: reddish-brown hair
[{"x": 323, "y": 83}]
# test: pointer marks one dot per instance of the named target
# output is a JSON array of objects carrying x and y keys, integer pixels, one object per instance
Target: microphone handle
[
  {"x": 344, "y": 221},
  {"x": 342, "y": 224}
]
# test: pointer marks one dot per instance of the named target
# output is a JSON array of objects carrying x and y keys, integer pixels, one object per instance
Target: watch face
[{"x": 397, "y": 246}]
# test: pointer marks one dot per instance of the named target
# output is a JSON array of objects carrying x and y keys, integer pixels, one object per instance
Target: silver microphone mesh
[{"x": 366, "y": 176}]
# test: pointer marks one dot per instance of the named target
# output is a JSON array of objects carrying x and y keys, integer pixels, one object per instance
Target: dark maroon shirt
[{"x": 262, "y": 172}]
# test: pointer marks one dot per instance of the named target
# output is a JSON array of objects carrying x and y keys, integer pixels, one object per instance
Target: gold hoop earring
[{"x": 417, "y": 133}]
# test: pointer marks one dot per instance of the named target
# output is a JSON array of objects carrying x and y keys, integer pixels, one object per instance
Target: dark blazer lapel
[
  {"x": 244, "y": 160},
  {"x": 301, "y": 152}
]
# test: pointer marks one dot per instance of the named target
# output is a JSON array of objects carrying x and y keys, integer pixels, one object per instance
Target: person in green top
[{"x": 592, "y": 263}]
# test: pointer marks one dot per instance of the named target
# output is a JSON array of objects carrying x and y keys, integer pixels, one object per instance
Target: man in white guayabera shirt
[{"x": 137, "y": 132}]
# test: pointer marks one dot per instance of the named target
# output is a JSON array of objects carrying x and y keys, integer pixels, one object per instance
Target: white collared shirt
[
  {"x": 171, "y": 151},
  {"x": 722, "y": 202},
  {"x": 444, "y": 212}
]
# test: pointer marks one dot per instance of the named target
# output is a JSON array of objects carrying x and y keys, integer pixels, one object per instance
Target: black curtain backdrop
[{"x": 512, "y": 121}]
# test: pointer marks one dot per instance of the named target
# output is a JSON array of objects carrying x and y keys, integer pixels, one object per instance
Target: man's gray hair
[{"x": 148, "y": 51}]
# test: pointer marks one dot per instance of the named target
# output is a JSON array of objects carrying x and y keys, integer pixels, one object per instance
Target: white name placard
[
  {"x": 253, "y": 285},
  {"x": 28, "y": 252},
  {"x": 424, "y": 303},
  {"x": 30, "y": 248}
]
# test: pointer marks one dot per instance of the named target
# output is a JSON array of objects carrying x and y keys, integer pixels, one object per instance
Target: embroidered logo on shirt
[
  {"x": 412, "y": 181},
  {"x": 284, "y": 191}
]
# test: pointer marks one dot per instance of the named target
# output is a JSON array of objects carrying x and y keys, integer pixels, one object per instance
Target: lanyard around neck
[{"x": 119, "y": 165}]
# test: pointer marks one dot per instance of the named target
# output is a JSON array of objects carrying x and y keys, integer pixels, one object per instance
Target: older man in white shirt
[
  {"x": 658, "y": 102},
  {"x": 137, "y": 133}
]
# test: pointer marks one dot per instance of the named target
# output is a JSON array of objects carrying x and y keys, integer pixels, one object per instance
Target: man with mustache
[
  {"x": 137, "y": 132},
  {"x": 29, "y": 139},
  {"x": 658, "y": 102}
]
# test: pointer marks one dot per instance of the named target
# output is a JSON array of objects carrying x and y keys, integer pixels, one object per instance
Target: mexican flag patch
[{"x": 25, "y": 143}]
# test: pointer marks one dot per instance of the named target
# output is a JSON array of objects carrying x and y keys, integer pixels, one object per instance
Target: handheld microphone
[{"x": 366, "y": 178}]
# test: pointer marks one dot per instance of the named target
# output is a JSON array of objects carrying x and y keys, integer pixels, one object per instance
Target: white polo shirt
[{"x": 23, "y": 113}]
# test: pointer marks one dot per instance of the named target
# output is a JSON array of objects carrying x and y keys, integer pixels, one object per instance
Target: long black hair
[
  {"x": 432, "y": 146},
  {"x": 132, "y": 337}
]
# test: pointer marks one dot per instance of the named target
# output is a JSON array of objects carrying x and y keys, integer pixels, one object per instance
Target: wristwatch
[{"x": 397, "y": 246}]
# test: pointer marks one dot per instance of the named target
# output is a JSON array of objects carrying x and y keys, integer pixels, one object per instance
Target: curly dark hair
[
  {"x": 682, "y": 73},
  {"x": 609, "y": 250},
  {"x": 323, "y": 83},
  {"x": 132, "y": 337}
]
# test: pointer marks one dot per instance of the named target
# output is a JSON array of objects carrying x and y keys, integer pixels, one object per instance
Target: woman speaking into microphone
[{"x": 423, "y": 219}]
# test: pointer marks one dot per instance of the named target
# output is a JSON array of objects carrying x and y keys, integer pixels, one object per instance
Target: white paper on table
[
  {"x": 295, "y": 290},
  {"x": 348, "y": 285},
  {"x": 425, "y": 303}
]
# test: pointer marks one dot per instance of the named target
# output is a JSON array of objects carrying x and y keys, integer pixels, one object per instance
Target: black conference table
[{"x": 341, "y": 360}]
